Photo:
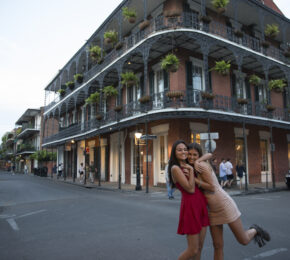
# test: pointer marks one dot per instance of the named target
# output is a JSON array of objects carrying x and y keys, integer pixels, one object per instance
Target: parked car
[{"x": 287, "y": 179}]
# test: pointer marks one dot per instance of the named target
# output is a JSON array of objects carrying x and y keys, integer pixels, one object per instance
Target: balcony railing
[
  {"x": 26, "y": 148},
  {"x": 160, "y": 101},
  {"x": 187, "y": 20}
]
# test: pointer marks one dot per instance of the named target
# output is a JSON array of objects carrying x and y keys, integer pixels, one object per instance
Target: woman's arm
[
  {"x": 206, "y": 182},
  {"x": 179, "y": 176},
  {"x": 205, "y": 157}
]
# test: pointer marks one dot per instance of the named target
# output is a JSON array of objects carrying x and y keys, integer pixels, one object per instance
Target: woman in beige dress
[{"x": 222, "y": 208}]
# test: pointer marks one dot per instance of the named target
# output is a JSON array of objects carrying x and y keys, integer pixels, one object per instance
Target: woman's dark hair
[
  {"x": 196, "y": 147},
  {"x": 173, "y": 160}
]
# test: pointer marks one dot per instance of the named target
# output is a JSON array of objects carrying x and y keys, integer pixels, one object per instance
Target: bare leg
[
  {"x": 192, "y": 247},
  {"x": 244, "y": 237},
  {"x": 218, "y": 241},
  {"x": 202, "y": 235}
]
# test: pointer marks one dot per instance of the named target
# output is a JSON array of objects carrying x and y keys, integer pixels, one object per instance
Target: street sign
[
  {"x": 212, "y": 144},
  {"x": 148, "y": 137},
  {"x": 204, "y": 136}
]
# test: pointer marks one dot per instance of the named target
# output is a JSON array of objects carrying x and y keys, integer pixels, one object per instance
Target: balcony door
[{"x": 265, "y": 161}]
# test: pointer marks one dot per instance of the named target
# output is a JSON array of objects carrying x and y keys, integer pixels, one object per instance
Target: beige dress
[{"x": 222, "y": 208}]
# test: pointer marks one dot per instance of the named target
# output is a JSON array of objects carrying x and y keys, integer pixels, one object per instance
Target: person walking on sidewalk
[
  {"x": 170, "y": 190},
  {"x": 193, "y": 216},
  {"x": 222, "y": 209},
  {"x": 223, "y": 173},
  {"x": 59, "y": 170},
  {"x": 240, "y": 170},
  {"x": 81, "y": 172},
  {"x": 229, "y": 171}
]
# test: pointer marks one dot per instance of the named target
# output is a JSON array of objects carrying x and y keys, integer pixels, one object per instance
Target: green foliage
[
  {"x": 220, "y": 3},
  {"x": 61, "y": 92},
  {"x": 111, "y": 35},
  {"x": 43, "y": 156},
  {"x": 277, "y": 84},
  {"x": 110, "y": 91},
  {"x": 129, "y": 13},
  {"x": 170, "y": 61},
  {"x": 96, "y": 52},
  {"x": 129, "y": 78},
  {"x": 93, "y": 98},
  {"x": 78, "y": 77},
  {"x": 272, "y": 30},
  {"x": 70, "y": 84},
  {"x": 222, "y": 67},
  {"x": 254, "y": 79}
]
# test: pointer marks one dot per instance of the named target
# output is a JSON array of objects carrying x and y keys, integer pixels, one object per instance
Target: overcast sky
[{"x": 37, "y": 38}]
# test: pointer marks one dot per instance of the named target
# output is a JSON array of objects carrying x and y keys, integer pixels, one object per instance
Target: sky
[{"x": 37, "y": 38}]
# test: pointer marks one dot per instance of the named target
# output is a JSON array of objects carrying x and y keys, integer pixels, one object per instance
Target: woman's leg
[
  {"x": 192, "y": 247},
  {"x": 243, "y": 236},
  {"x": 218, "y": 241},
  {"x": 201, "y": 241}
]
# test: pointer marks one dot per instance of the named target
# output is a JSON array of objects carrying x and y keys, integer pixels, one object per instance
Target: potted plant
[
  {"x": 220, "y": 5},
  {"x": 110, "y": 91},
  {"x": 174, "y": 94},
  {"x": 145, "y": 99},
  {"x": 254, "y": 80},
  {"x": 93, "y": 98},
  {"x": 96, "y": 53},
  {"x": 70, "y": 85},
  {"x": 79, "y": 78},
  {"x": 207, "y": 95},
  {"x": 144, "y": 24},
  {"x": 118, "y": 108},
  {"x": 272, "y": 30},
  {"x": 129, "y": 14},
  {"x": 222, "y": 67},
  {"x": 99, "y": 116},
  {"x": 270, "y": 108},
  {"x": 205, "y": 19},
  {"x": 110, "y": 37},
  {"x": 277, "y": 85},
  {"x": 242, "y": 101},
  {"x": 170, "y": 63},
  {"x": 129, "y": 79},
  {"x": 61, "y": 92}
]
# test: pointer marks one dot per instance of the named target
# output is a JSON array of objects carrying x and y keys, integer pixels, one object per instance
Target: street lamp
[{"x": 138, "y": 186}]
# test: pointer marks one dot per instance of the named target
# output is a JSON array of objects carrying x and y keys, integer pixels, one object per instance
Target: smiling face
[
  {"x": 193, "y": 155},
  {"x": 181, "y": 152}
]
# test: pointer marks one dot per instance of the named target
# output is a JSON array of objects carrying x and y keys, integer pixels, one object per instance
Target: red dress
[{"x": 193, "y": 212}]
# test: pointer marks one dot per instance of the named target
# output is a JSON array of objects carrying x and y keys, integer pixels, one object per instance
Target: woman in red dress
[{"x": 193, "y": 217}]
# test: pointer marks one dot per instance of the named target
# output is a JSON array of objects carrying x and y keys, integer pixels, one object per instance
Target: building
[
  {"x": 92, "y": 113},
  {"x": 28, "y": 139}
]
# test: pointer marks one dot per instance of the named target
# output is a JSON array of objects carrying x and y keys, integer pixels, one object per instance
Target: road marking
[
  {"x": 31, "y": 213},
  {"x": 267, "y": 253},
  {"x": 7, "y": 216},
  {"x": 257, "y": 198},
  {"x": 12, "y": 223}
]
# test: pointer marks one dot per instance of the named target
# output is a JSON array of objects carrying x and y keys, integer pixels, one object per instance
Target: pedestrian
[
  {"x": 54, "y": 169},
  {"x": 229, "y": 171},
  {"x": 223, "y": 210},
  {"x": 81, "y": 172},
  {"x": 25, "y": 169},
  {"x": 60, "y": 168},
  {"x": 13, "y": 169},
  {"x": 93, "y": 171},
  {"x": 240, "y": 170},
  {"x": 223, "y": 173},
  {"x": 170, "y": 190},
  {"x": 193, "y": 216}
]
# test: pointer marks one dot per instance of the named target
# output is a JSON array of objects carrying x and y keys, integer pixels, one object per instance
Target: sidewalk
[{"x": 114, "y": 186}]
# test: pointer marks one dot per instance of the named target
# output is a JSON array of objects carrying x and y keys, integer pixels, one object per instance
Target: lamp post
[{"x": 138, "y": 186}]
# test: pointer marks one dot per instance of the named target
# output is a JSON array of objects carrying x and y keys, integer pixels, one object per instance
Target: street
[{"x": 46, "y": 219}]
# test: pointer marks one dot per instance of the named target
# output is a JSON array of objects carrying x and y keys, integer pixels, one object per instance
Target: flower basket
[
  {"x": 220, "y": 5},
  {"x": 277, "y": 85},
  {"x": 254, "y": 80},
  {"x": 144, "y": 24},
  {"x": 205, "y": 19},
  {"x": 129, "y": 14},
  {"x": 110, "y": 91},
  {"x": 174, "y": 94},
  {"x": 207, "y": 95},
  {"x": 61, "y": 92},
  {"x": 265, "y": 44},
  {"x": 238, "y": 33},
  {"x": 99, "y": 116},
  {"x": 79, "y": 78},
  {"x": 144, "y": 99},
  {"x": 242, "y": 101},
  {"x": 95, "y": 52},
  {"x": 270, "y": 108},
  {"x": 222, "y": 67},
  {"x": 70, "y": 85},
  {"x": 119, "y": 46},
  {"x": 129, "y": 79},
  {"x": 272, "y": 30},
  {"x": 93, "y": 98},
  {"x": 110, "y": 37},
  {"x": 170, "y": 63},
  {"x": 132, "y": 19},
  {"x": 118, "y": 108}
]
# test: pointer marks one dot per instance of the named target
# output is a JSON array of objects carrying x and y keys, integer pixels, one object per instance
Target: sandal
[{"x": 261, "y": 235}]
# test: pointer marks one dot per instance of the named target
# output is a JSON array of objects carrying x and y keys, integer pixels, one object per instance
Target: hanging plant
[
  {"x": 207, "y": 95},
  {"x": 254, "y": 80},
  {"x": 70, "y": 85},
  {"x": 145, "y": 99},
  {"x": 61, "y": 92},
  {"x": 220, "y": 5},
  {"x": 242, "y": 101},
  {"x": 270, "y": 108},
  {"x": 265, "y": 44},
  {"x": 119, "y": 45},
  {"x": 93, "y": 98},
  {"x": 277, "y": 85},
  {"x": 238, "y": 33},
  {"x": 129, "y": 79},
  {"x": 170, "y": 63},
  {"x": 144, "y": 24},
  {"x": 174, "y": 94},
  {"x": 99, "y": 116},
  {"x": 111, "y": 37},
  {"x": 118, "y": 108},
  {"x": 79, "y": 78},
  {"x": 222, "y": 67},
  {"x": 272, "y": 30},
  {"x": 110, "y": 91},
  {"x": 205, "y": 19},
  {"x": 96, "y": 53},
  {"x": 129, "y": 14}
]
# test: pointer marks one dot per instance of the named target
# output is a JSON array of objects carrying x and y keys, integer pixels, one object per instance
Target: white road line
[
  {"x": 267, "y": 253},
  {"x": 257, "y": 198},
  {"x": 7, "y": 216},
  {"x": 12, "y": 223},
  {"x": 31, "y": 213}
]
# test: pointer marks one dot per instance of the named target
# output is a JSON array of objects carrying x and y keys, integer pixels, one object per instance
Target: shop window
[
  {"x": 264, "y": 155},
  {"x": 162, "y": 153},
  {"x": 239, "y": 147}
]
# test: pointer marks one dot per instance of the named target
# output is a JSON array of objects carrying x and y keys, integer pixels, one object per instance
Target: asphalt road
[{"x": 42, "y": 219}]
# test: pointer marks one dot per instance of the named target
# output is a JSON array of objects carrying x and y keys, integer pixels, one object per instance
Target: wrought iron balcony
[
  {"x": 177, "y": 100},
  {"x": 26, "y": 148}
]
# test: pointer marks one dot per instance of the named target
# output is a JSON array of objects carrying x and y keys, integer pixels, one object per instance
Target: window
[
  {"x": 195, "y": 138},
  {"x": 197, "y": 77},
  {"x": 264, "y": 155},
  {"x": 162, "y": 153},
  {"x": 239, "y": 147}
]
